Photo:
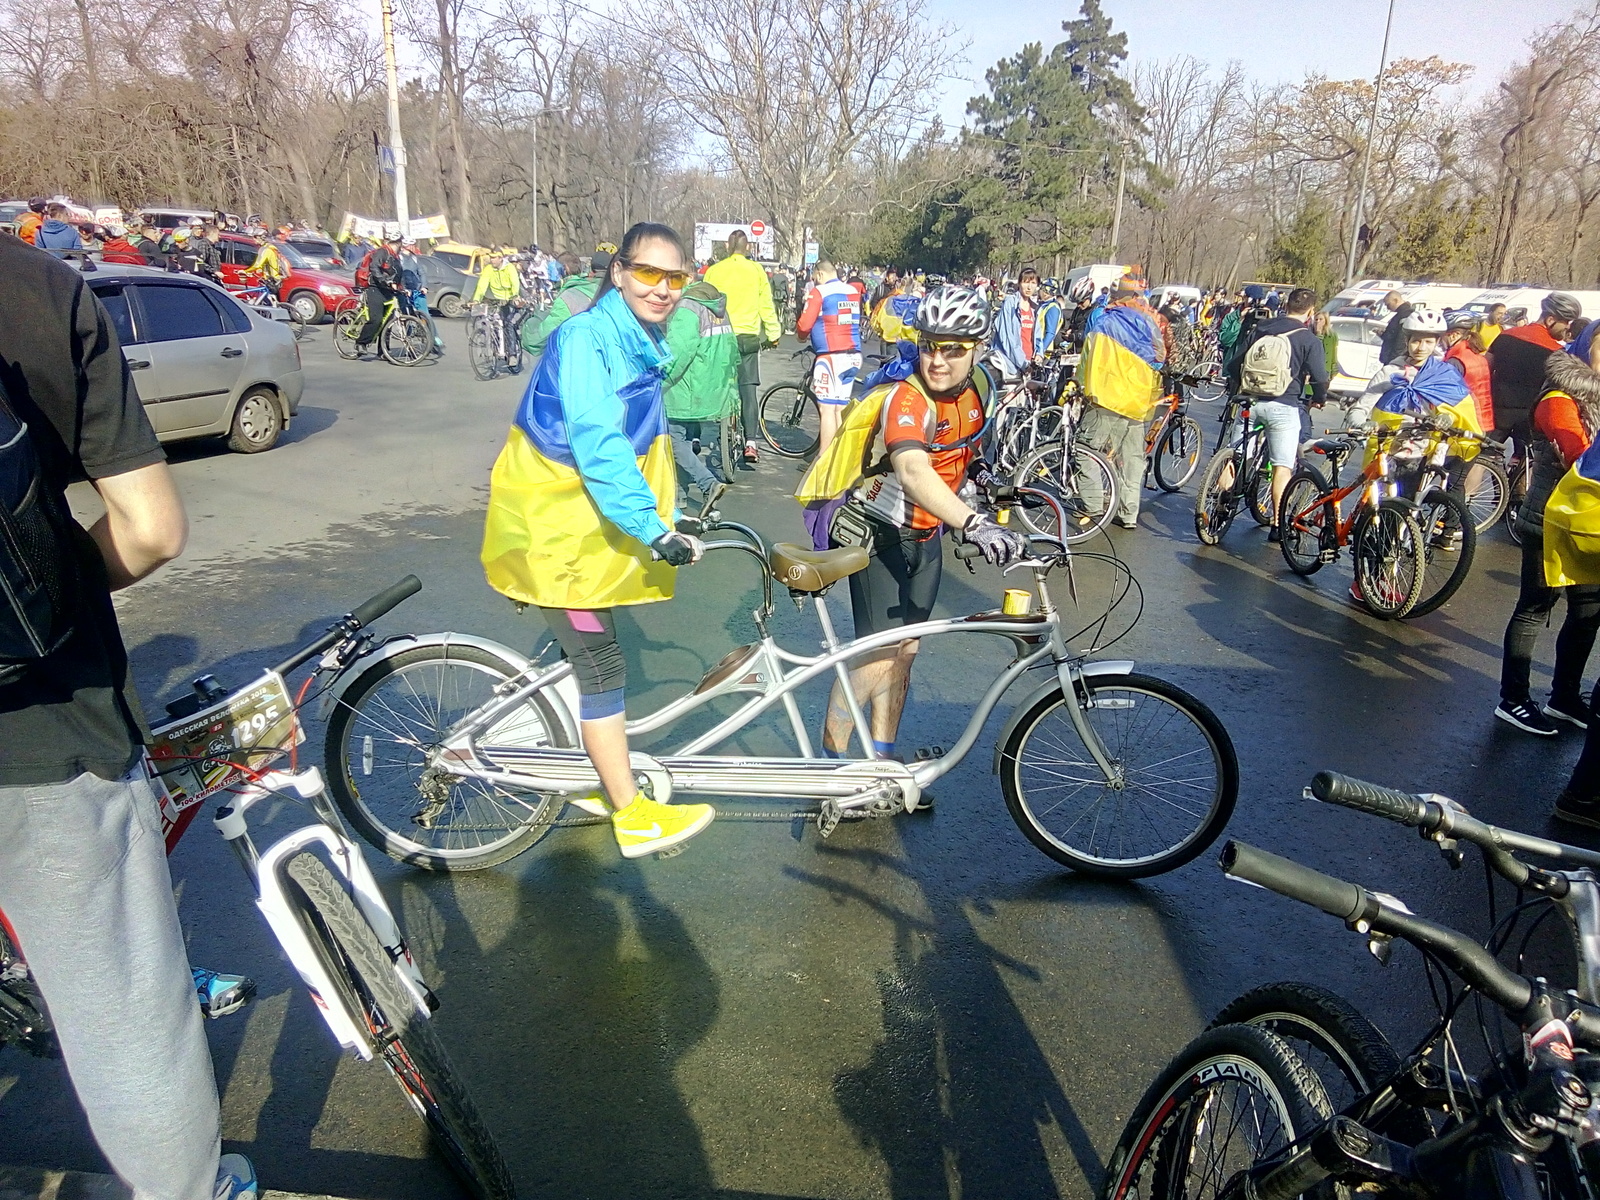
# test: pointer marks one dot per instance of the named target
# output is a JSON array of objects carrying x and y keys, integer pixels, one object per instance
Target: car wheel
[
  {"x": 307, "y": 307},
  {"x": 257, "y": 422},
  {"x": 449, "y": 305}
]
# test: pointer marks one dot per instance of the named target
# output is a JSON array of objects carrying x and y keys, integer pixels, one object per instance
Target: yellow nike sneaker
[{"x": 645, "y": 827}]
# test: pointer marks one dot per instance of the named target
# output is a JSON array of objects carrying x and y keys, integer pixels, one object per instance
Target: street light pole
[
  {"x": 397, "y": 146},
  {"x": 1366, "y": 156}
]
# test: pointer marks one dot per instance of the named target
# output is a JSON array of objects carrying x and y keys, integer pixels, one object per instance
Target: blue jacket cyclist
[{"x": 581, "y": 509}]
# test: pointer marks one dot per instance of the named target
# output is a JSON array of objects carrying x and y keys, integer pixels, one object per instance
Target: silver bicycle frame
[{"x": 772, "y": 675}]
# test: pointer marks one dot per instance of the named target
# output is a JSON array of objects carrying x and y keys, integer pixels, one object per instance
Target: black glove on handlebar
[
  {"x": 678, "y": 549},
  {"x": 999, "y": 545}
]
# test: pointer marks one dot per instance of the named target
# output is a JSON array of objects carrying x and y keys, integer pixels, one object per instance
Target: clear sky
[{"x": 1276, "y": 41}]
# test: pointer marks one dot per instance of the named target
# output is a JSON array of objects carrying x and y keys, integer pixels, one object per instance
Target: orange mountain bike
[{"x": 1382, "y": 531}]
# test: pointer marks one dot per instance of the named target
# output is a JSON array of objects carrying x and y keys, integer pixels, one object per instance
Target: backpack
[
  {"x": 1266, "y": 366},
  {"x": 38, "y": 556},
  {"x": 362, "y": 272}
]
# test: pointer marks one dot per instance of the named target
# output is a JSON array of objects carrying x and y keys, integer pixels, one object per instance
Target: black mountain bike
[
  {"x": 1235, "y": 476},
  {"x": 1292, "y": 1092}
]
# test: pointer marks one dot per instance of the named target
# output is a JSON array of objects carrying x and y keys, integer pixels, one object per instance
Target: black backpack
[{"x": 39, "y": 579}]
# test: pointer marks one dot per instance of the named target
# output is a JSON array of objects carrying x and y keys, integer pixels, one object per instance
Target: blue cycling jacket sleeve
[{"x": 595, "y": 415}]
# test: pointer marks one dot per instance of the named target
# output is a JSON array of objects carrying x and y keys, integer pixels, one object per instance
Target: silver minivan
[{"x": 205, "y": 365}]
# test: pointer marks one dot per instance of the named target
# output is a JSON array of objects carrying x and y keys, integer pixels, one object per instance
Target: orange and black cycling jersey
[{"x": 946, "y": 427}]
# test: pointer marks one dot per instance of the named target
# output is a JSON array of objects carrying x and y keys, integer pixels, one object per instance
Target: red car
[{"x": 309, "y": 292}]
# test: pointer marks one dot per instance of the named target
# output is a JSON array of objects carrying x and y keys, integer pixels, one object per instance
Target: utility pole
[
  {"x": 1366, "y": 156},
  {"x": 397, "y": 146},
  {"x": 1116, "y": 220}
]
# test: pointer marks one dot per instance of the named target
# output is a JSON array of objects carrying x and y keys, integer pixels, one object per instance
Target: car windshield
[
  {"x": 460, "y": 261},
  {"x": 296, "y": 255}
]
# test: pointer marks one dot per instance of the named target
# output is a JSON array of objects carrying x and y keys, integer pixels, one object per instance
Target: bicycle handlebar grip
[
  {"x": 967, "y": 550},
  {"x": 1333, "y": 788},
  {"x": 370, "y": 610},
  {"x": 1347, "y": 901}
]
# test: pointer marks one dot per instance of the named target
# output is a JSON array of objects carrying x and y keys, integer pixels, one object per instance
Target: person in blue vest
[{"x": 581, "y": 510}]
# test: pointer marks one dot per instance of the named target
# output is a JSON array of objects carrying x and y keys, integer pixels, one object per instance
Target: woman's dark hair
[{"x": 644, "y": 231}]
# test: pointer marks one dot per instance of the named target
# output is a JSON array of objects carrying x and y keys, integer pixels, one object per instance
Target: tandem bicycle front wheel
[
  {"x": 384, "y": 729},
  {"x": 1177, "y": 777},
  {"x": 386, "y": 1011}
]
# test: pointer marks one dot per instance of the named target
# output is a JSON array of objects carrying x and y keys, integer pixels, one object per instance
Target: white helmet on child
[{"x": 1425, "y": 321}]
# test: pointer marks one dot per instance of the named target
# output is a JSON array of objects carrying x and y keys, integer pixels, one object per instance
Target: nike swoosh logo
[{"x": 652, "y": 832}]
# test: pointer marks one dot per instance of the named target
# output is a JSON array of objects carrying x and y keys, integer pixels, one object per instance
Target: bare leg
[
  {"x": 829, "y": 415},
  {"x": 1280, "y": 481},
  {"x": 889, "y": 700},
  {"x": 880, "y": 685},
  {"x": 606, "y": 741}
]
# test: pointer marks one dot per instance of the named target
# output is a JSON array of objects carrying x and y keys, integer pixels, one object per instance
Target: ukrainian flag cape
[
  {"x": 1572, "y": 524},
  {"x": 1120, "y": 369},
  {"x": 590, "y": 438}
]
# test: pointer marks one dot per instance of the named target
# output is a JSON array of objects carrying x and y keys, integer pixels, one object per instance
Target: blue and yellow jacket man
[{"x": 585, "y": 481}]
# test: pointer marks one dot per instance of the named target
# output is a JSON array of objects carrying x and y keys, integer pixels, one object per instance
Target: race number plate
[{"x": 196, "y": 756}]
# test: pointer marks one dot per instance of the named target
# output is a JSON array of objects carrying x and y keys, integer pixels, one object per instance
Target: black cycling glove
[
  {"x": 679, "y": 549},
  {"x": 1000, "y": 546}
]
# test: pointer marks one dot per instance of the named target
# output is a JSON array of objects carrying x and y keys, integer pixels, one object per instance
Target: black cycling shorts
[
  {"x": 901, "y": 582},
  {"x": 588, "y": 638}
]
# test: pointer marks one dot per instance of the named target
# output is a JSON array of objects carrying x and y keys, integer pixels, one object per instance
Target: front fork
[{"x": 1073, "y": 687}]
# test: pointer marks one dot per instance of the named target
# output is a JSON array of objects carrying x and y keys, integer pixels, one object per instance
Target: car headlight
[{"x": 333, "y": 289}]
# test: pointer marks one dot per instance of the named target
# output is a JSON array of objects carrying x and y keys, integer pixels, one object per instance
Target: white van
[
  {"x": 1529, "y": 299},
  {"x": 1105, "y": 275}
]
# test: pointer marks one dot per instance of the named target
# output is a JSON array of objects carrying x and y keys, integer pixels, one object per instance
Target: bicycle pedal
[
  {"x": 672, "y": 851},
  {"x": 928, "y": 753}
]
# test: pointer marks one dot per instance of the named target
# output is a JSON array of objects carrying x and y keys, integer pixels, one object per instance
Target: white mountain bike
[{"x": 453, "y": 752}]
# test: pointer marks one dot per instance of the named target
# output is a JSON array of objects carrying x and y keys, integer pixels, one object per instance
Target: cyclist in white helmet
[
  {"x": 927, "y": 441},
  {"x": 1423, "y": 328}
]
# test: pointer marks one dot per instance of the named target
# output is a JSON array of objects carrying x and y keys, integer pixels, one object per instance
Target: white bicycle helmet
[
  {"x": 953, "y": 311},
  {"x": 1424, "y": 320},
  {"x": 1082, "y": 290}
]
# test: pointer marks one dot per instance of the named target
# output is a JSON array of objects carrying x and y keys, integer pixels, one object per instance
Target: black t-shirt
[{"x": 63, "y": 369}]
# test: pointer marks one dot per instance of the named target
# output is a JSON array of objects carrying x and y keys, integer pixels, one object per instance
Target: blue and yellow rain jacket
[{"x": 585, "y": 481}]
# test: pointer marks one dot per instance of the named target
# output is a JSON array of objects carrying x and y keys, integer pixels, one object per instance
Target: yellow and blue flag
[
  {"x": 1572, "y": 524},
  {"x": 1121, "y": 365}
]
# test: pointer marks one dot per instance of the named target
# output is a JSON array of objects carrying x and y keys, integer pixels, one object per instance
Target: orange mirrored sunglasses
[{"x": 650, "y": 276}]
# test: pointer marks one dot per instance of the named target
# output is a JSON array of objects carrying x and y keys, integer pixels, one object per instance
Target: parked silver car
[{"x": 204, "y": 364}]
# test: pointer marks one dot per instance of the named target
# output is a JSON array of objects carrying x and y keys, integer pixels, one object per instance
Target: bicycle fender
[{"x": 1109, "y": 666}]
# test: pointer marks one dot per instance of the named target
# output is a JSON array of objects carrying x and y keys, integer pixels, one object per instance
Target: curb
[{"x": 26, "y": 1183}]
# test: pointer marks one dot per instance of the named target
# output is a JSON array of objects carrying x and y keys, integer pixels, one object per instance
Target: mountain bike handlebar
[
  {"x": 1366, "y": 912},
  {"x": 363, "y": 614}
]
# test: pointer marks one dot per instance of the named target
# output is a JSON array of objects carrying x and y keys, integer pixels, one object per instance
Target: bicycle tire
[
  {"x": 1487, "y": 490},
  {"x": 730, "y": 443},
  {"x": 513, "y": 359},
  {"x": 378, "y": 810},
  {"x": 399, "y": 1033},
  {"x": 1215, "y": 506},
  {"x": 480, "y": 351},
  {"x": 1514, "y": 498},
  {"x": 1205, "y": 801},
  {"x": 345, "y": 326},
  {"x": 1386, "y": 551},
  {"x": 405, "y": 341},
  {"x": 1178, "y": 1114},
  {"x": 1048, "y": 469},
  {"x": 790, "y": 420},
  {"x": 1350, "y": 1055},
  {"x": 1259, "y": 497},
  {"x": 1177, "y": 453},
  {"x": 1302, "y": 535},
  {"x": 1211, "y": 390},
  {"x": 1444, "y": 520}
]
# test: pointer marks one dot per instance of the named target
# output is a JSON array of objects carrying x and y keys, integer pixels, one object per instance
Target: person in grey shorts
[{"x": 83, "y": 869}]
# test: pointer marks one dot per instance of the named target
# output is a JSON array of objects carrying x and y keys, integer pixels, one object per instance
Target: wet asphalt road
[{"x": 923, "y": 1007}]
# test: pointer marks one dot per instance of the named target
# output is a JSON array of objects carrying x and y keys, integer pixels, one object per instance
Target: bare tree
[{"x": 792, "y": 88}]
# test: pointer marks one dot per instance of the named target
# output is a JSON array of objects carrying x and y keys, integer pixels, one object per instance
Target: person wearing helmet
[
  {"x": 384, "y": 283},
  {"x": 924, "y": 448},
  {"x": 1421, "y": 329},
  {"x": 1517, "y": 361},
  {"x": 1081, "y": 296},
  {"x": 1464, "y": 349},
  {"x": 500, "y": 286}
]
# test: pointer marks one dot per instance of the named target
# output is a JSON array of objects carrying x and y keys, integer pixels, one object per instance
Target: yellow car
[{"x": 462, "y": 256}]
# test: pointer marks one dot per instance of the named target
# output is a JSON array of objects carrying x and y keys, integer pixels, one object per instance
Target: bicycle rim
[
  {"x": 1385, "y": 548},
  {"x": 1178, "y": 453},
  {"x": 480, "y": 353},
  {"x": 790, "y": 422},
  {"x": 1080, "y": 478},
  {"x": 1449, "y": 543},
  {"x": 405, "y": 341},
  {"x": 1303, "y": 530},
  {"x": 344, "y": 333},
  {"x": 1235, "y": 1096},
  {"x": 1214, "y": 504},
  {"x": 1178, "y": 778},
  {"x": 384, "y": 730},
  {"x": 1487, "y": 490}
]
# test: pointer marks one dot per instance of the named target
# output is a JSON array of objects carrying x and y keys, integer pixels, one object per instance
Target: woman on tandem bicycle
[{"x": 581, "y": 509}]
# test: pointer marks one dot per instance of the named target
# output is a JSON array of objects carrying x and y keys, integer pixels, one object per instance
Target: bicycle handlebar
[
  {"x": 363, "y": 614},
  {"x": 1333, "y": 788},
  {"x": 1364, "y": 911}
]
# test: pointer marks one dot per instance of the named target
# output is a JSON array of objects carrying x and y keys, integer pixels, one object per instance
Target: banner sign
[
  {"x": 711, "y": 240},
  {"x": 436, "y": 227}
]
